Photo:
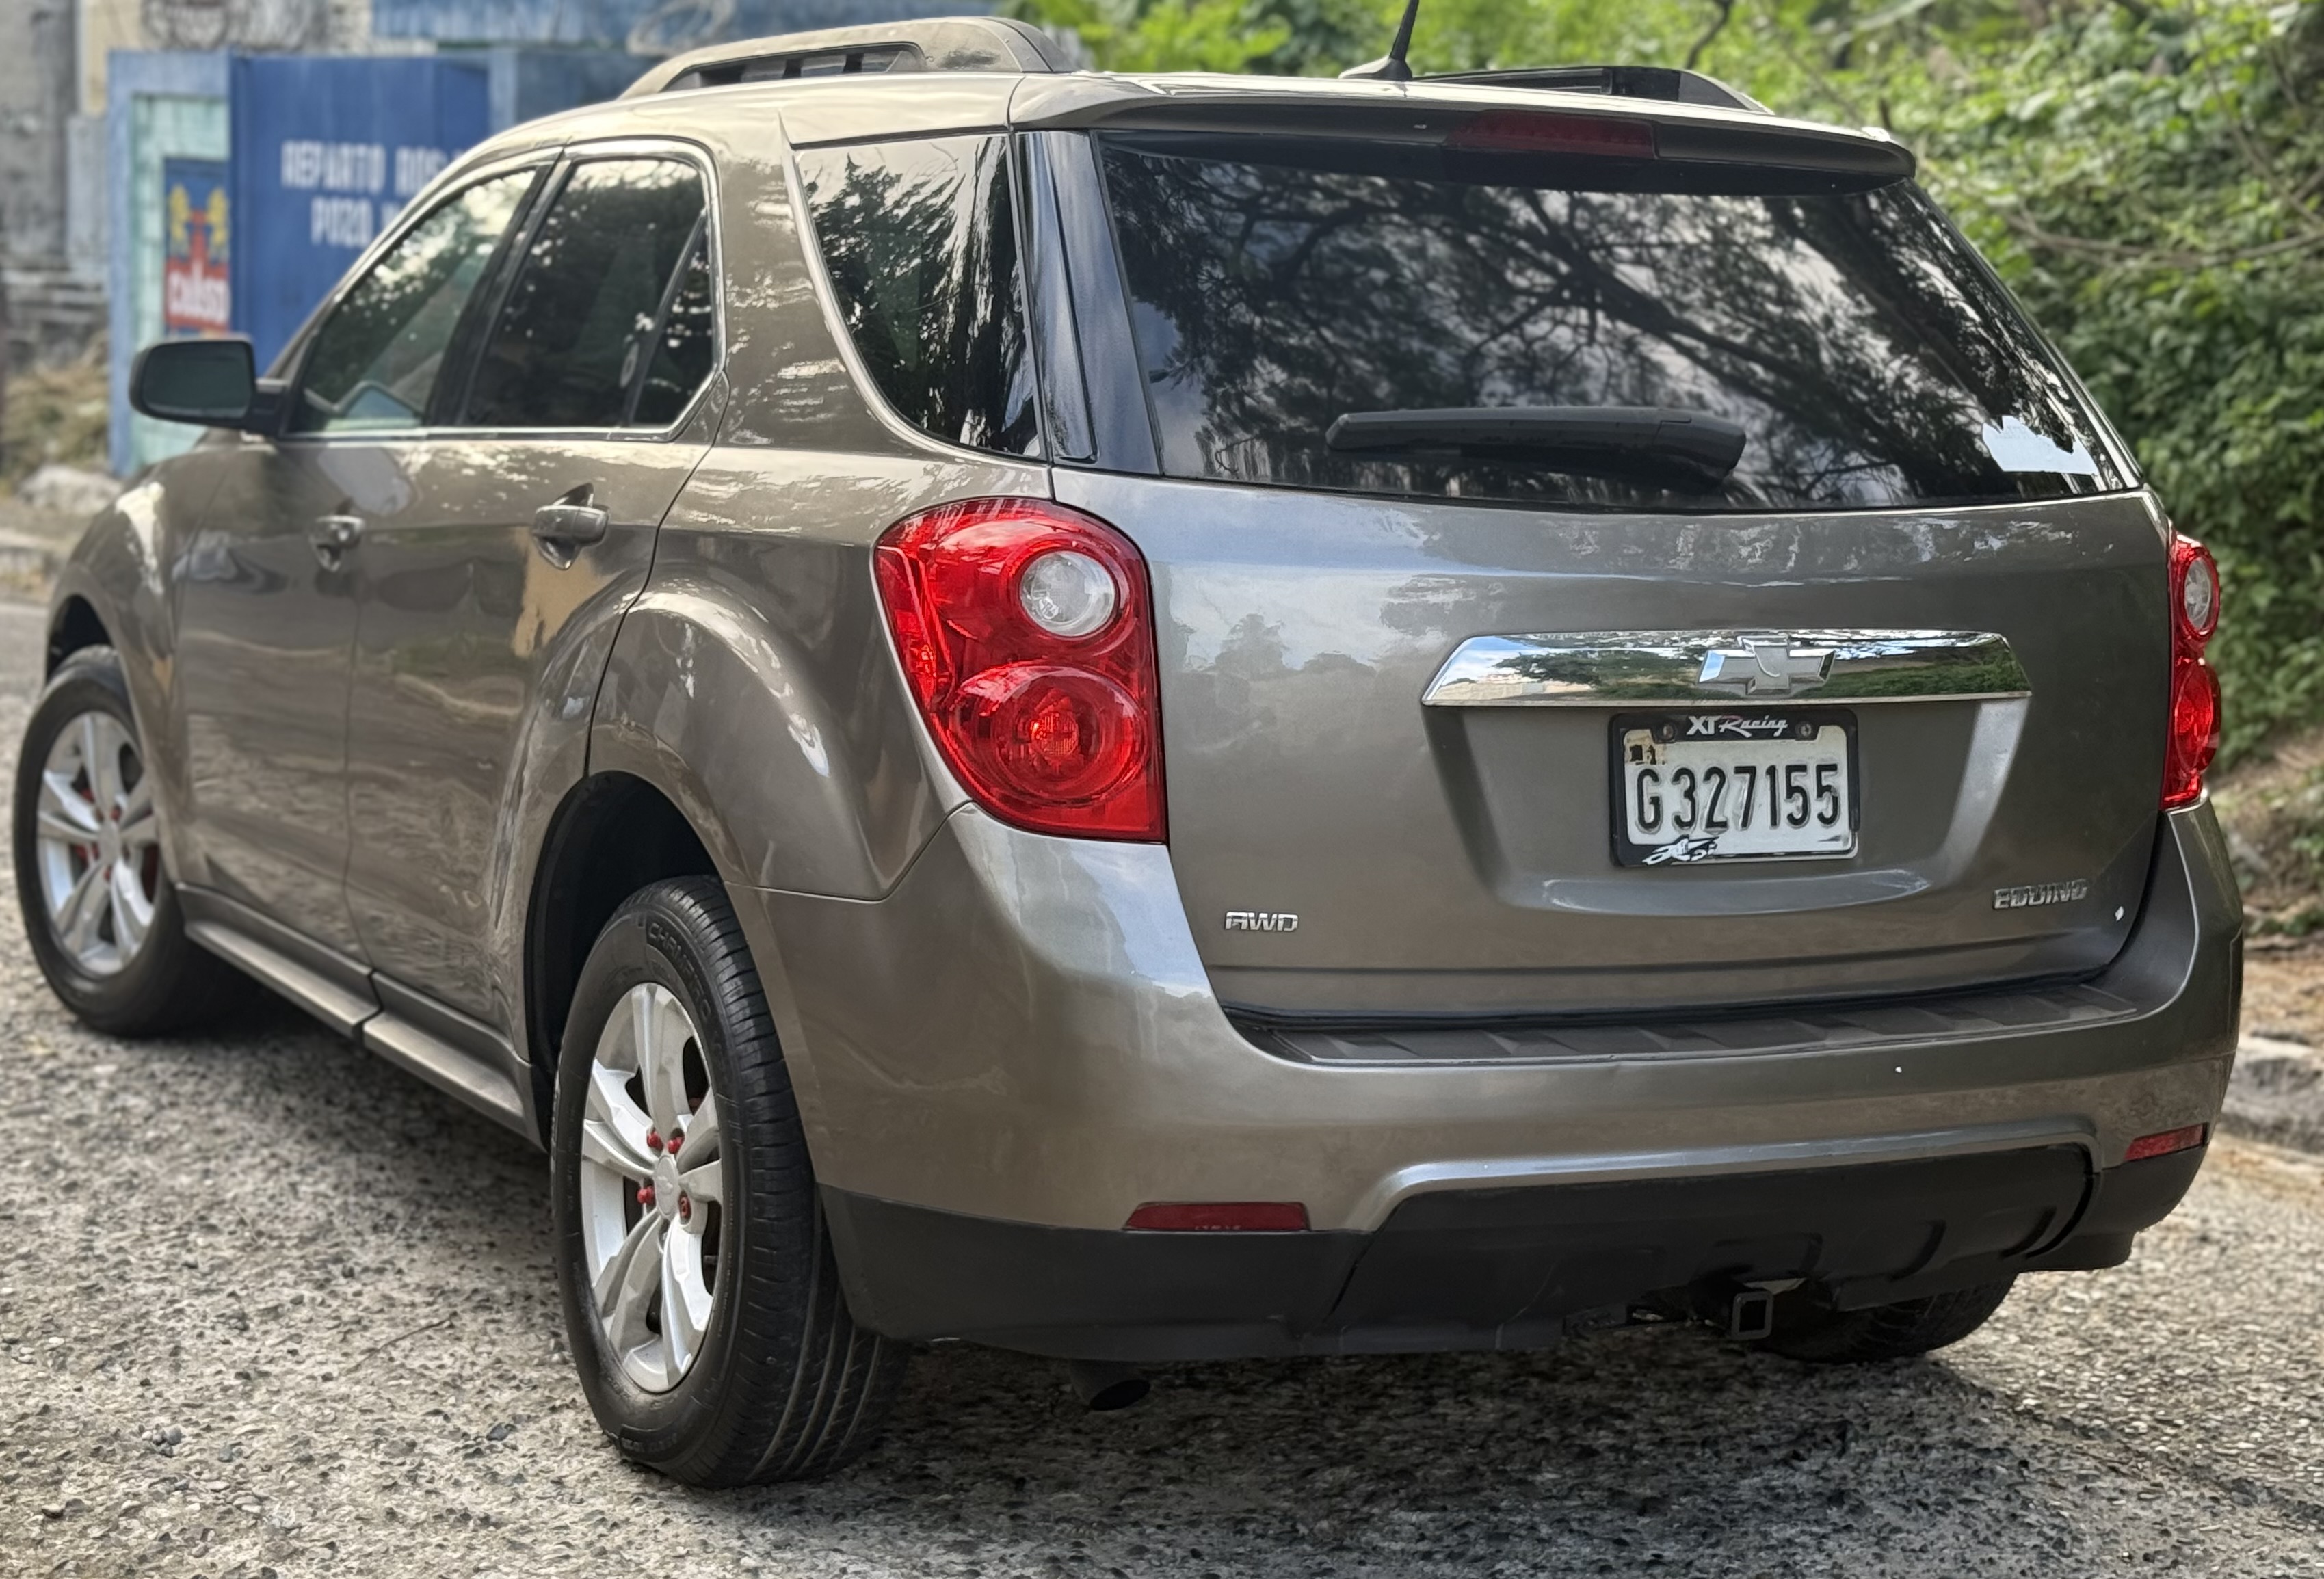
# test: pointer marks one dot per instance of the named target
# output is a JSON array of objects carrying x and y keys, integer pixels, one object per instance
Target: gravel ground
[{"x": 270, "y": 1308}]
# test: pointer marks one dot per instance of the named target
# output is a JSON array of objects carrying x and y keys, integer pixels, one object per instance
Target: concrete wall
[{"x": 36, "y": 53}]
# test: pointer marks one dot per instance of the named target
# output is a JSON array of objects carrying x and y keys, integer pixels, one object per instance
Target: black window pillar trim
[
  {"x": 1076, "y": 281},
  {"x": 1059, "y": 365}
]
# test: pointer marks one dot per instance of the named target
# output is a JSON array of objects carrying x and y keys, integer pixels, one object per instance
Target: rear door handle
[
  {"x": 332, "y": 535},
  {"x": 571, "y": 524}
]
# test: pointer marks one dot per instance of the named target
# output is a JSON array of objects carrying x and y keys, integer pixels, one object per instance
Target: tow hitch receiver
[{"x": 1750, "y": 1313}]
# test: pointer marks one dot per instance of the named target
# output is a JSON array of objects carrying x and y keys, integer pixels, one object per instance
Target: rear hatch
[{"x": 1463, "y": 706}]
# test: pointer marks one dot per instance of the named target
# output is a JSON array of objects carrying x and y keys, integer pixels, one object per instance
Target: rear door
[
  {"x": 491, "y": 588},
  {"x": 1463, "y": 722}
]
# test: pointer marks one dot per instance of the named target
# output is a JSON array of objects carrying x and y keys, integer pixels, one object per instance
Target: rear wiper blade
[{"x": 1622, "y": 441}]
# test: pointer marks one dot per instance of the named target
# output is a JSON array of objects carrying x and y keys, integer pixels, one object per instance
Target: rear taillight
[
  {"x": 1025, "y": 631},
  {"x": 2194, "y": 690}
]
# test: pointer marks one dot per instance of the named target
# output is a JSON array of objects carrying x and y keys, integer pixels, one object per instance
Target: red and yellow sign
[{"x": 197, "y": 283}]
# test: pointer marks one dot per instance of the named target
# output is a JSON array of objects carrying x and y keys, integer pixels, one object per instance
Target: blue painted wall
[{"x": 326, "y": 151}]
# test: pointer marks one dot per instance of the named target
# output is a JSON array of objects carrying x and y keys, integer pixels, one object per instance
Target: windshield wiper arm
[{"x": 1625, "y": 441}]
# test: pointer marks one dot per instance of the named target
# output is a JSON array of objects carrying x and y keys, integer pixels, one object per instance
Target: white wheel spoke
[
  {"x": 133, "y": 913},
  {"x": 615, "y": 1126},
  {"x": 633, "y": 1295},
  {"x": 138, "y": 825},
  {"x": 662, "y": 1035},
  {"x": 605, "y": 1145},
  {"x": 616, "y": 1271},
  {"x": 84, "y": 908},
  {"x": 685, "y": 1301},
  {"x": 63, "y": 812},
  {"x": 101, "y": 774},
  {"x": 702, "y": 1135},
  {"x": 703, "y": 1184}
]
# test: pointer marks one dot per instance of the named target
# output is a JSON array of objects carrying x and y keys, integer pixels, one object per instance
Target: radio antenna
[{"x": 1391, "y": 67}]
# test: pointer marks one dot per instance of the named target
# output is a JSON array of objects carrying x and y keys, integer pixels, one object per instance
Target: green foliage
[
  {"x": 1165, "y": 35},
  {"x": 2147, "y": 180},
  {"x": 2147, "y": 175}
]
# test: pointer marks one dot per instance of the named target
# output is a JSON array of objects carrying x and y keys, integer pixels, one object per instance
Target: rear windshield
[{"x": 1862, "y": 348}]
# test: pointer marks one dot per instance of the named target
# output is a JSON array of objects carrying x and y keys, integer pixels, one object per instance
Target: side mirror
[{"x": 213, "y": 382}]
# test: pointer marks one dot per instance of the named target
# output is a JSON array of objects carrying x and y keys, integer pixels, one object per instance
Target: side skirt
[{"x": 451, "y": 1051}]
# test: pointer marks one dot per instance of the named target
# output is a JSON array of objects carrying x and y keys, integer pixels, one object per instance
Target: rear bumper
[
  {"x": 1494, "y": 1269},
  {"x": 1023, "y": 1031}
]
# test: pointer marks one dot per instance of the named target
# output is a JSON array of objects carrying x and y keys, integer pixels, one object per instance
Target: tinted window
[
  {"x": 920, "y": 241},
  {"x": 583, "y": 316},
  {"x": 1854, "y": 336},
  {"x": 375, "y": 360},
  {"x": 687, "y": 347}
]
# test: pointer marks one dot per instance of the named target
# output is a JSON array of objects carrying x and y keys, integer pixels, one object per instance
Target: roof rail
[
  {"x": 948, "y": 43},
  {"x": 1662, "y": 82}
]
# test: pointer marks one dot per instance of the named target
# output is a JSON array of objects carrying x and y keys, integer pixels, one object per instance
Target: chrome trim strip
[{"x": 1599, "y": 669}]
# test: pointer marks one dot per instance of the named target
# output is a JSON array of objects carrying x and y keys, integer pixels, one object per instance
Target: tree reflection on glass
[
  {"x": 920, "y": 241},
  {"x": 375, "y": 360},
  {"x": 1855, "y": 337}
]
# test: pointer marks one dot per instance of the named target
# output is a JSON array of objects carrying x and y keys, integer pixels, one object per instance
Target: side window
[
  {"x": 920, "y": 241},
  {"x": 687, "y": 348},
  {"x": 375, "y": 360},
  {"x": 598, "y": 325}
]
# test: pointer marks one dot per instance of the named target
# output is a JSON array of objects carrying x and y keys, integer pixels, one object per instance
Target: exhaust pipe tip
[{"x": 1102, "y": 1385}]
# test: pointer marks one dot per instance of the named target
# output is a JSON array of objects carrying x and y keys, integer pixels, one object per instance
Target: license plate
[{"x": 1696, "y": 787}]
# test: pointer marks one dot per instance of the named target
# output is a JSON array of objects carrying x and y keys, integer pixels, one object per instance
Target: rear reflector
[
  {"x": 1525, "y": 131},
  {"x": 2165, "y": 1143},
  {"x": 1243, "y": 1217}
]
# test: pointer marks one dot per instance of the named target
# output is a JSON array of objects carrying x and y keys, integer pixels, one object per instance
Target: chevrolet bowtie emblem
[{"x": 1767, "y": 665}]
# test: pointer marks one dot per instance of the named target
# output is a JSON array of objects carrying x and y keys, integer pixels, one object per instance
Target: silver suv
[{"x": 1160, "y": 718}]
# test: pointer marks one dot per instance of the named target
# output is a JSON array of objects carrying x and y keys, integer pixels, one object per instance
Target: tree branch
[{"x": 2160, "y": 257}]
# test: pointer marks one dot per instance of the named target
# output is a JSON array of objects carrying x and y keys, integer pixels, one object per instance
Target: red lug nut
[
  {"x": 653, "y": 1140},
  {"x": 686, "y": 1208},
  {"x": 645, "y": 1194},
  {"x": 676, "y": 1139}
]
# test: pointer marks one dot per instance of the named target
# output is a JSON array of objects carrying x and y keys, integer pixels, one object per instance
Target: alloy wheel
[
  {"x": 98, "y": 844},
  {"x": 652, "y": 1187}
]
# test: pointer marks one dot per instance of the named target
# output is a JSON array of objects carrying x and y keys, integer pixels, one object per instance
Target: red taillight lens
[
  {"x": 1219, "y": 1217},
  {"x": 2194, "y": 737},
  {"x": 1529, "y": 132},
  {"x": 1026, "y": 631},
  {"x": 2167, "y": 1142},
  {"x": 2194, "y": 591}
]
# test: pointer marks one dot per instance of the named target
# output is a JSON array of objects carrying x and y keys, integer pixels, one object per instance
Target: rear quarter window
[{"x": 919, "y": 239}]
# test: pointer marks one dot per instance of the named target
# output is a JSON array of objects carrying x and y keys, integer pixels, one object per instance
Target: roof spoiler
[
  {"x": 954, "y": 44},
  {"x": 1664, "y": 82}
]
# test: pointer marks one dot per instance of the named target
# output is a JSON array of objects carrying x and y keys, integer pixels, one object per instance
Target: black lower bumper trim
[{"x": 1492, "y": 1269}]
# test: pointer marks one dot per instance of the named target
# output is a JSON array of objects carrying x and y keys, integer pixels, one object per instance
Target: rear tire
[
  {"x": 99, "y": 908},
  {"x": 720, "y": 1351},
  {"x": 1823, "y": 1336}
]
